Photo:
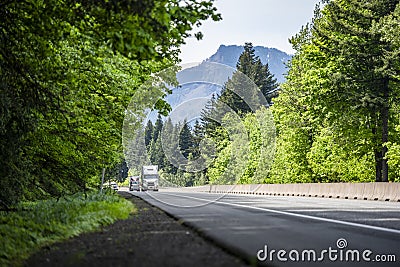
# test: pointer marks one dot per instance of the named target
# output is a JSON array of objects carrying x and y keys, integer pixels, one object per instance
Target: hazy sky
[{"x": 267, "y": 23}]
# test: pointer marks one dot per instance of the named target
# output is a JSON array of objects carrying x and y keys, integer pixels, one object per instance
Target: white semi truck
[{"x": 149, "y": 178}]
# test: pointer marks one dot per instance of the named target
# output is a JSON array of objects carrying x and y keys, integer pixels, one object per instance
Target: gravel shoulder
[{"x": 148, "y": 238}]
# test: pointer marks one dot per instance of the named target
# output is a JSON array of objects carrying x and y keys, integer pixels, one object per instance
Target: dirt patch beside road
[{"x": 148, "y": 238}]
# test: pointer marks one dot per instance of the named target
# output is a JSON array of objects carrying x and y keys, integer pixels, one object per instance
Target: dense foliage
[
  {"x": 68, "y": 70},
  {"x": 246, "y": 154},
  {"x": 338, "y": 113},
  {"x": 165, "y": 144}
]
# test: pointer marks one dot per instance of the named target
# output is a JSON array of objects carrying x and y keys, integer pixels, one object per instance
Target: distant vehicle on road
[
  {"x": 114, "y": 186},
  {"x": 149, "y": 177},
  {"x": 110, "y": 186},
  {"x": 134, "y": 183}
]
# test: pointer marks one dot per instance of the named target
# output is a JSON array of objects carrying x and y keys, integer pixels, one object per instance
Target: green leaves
[
  {"x": 337, "y": 108},
  {"x": 247, "y": 156}
]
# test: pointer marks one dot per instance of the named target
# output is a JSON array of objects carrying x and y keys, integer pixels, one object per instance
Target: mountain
[
  {"x": 276, "y": 59},
  {"x": 200, "y": 82},
  {"x": 197, "y": 85},
  {"x": 207, "y": 78}
]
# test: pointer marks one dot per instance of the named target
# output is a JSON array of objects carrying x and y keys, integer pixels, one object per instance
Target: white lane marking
[
  {"x": 382, "y": 219},
  {"x": 371, "y": 227},
  {"x": 342, "y": 210},
  {"x": 153, "y": 196}
]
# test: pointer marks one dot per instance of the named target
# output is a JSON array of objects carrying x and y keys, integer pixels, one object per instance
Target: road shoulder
[{"x": 149, "y": 238}]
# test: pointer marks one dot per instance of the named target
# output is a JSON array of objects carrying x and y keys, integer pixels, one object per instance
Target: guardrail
[{"x": 364, "y": 191}]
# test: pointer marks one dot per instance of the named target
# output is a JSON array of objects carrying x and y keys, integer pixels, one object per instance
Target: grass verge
[{"x": 41, "y": 223}]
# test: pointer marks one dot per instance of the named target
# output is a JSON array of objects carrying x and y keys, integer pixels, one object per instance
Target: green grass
[{"x": 41, "y": 223}]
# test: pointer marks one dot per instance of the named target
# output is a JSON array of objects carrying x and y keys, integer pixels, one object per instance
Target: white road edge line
[{"x": 371, "y": 227}]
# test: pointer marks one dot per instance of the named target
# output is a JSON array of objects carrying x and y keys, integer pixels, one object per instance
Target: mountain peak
[{"x": 276, "y": 59}]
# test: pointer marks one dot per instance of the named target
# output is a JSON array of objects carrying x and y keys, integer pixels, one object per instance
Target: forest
[{"x": 335, "y": 118}]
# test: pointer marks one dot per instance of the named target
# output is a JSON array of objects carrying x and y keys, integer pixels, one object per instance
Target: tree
[
  {"x": 148, "y": 133},
  {"x": 208, "y": 116},
  {"x": 198, "y": 136},
  {"x": 157, "y": 128},
  {"x": 117, "y": 172},
  {"x": 185, "y": 140},
  {"x": 249, "y": 72},
  {"x": 170, "y": 141},
  {"x": 157, "y": 156},
  {"x": 242, "y": 95},
  {"x": 388, "y": 28},
  {"x": 266, "y": 81},
  {"x": 251, "y": 65}
]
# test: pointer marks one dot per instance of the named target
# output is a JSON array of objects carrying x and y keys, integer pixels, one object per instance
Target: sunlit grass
[{"x": 40, "y": 223}]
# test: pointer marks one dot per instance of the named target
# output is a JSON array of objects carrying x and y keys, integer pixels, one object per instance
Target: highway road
[{"x": 291, "y": 231}]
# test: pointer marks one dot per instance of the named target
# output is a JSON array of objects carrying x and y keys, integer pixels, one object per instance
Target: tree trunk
[
  {"x": 378, "y": 165},
  {"x": 378, "y": 159},
  {"x": 385, "y": 133}
]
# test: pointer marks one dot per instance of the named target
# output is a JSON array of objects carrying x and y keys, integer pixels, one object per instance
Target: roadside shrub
[{"x": 40, "y": 223}]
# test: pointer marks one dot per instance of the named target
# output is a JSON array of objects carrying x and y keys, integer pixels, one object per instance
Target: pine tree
[
  {"x": 247, "y": 60},
  {"x": 250, "y": 73},
  {"x": 159, "y": 154},
  {"x": 170, "y": 146},
  {"x": 185, "y": 140},
  {"x": 208, "y": 117},
  {"x": 154, "y": 143},
  {"x": 157, "y": 127},
  {"x": 251, "y": 65},
  {"x": 265, "y": 81},
  {"x": 148, "y": 133},
  {"x": 198, "y": 136}
]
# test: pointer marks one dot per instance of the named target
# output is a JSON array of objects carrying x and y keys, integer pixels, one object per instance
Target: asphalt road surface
[{"x": 291, "y": 231}]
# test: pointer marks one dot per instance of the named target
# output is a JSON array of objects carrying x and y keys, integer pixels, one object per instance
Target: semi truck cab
[{"x": 149, "y": 177}]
